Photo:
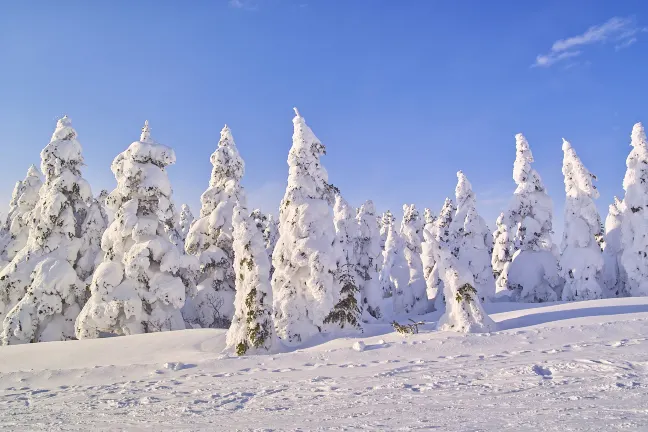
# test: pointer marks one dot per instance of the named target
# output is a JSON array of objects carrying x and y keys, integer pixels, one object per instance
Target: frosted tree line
[{"x": 74, "y": 265}]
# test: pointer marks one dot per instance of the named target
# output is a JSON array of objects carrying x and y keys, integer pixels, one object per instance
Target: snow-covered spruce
[
  {"x": 303, "y": 284},
  {"x": 501, "y": 255},
  {"x": 394, "y": 276},
  {"x": 40, "y": 291},
  {"x": 386, "y": 220},
  {"x": 427, "y": 255},
  {"x": 463, "y": 310},
  {"x": 346, "y": 312},
  {"x": 186, "y": 219},
  {"x": 437, "y": 237},
  {"x": 634, "y": 229},
  {"x": 533, "y": 272},
  {"x": 92, "y": 231},
  {"x": 210, "y": 239},
  {"x": 268, "y": 226},
  {"x": 580, "y": 259},
  {"x": 613, "y": 277},
  {"x": 15, "y": 231},
  {"x": 472, "y": 239},
  {"x": 139, "y": 287},
  {"x": 252, "y": 329},
  {"x": 369, "y": 259},
  {"x": 412, "y": 234}
]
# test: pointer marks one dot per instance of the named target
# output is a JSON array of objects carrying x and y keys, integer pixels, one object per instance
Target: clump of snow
[
  {"x": 634, "y": 228},
  {"x": 358, "y": 346},
  {"x": 303, "y": 285},
  {"x": 580, "y": 260},
  {"x": 210, "y": 239},
  {"x": 42, "y": 306},
  {"x": 140, "y": 286}
]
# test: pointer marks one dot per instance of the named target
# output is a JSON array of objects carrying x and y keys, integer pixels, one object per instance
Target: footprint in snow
[{"x": 542, "y": 371}]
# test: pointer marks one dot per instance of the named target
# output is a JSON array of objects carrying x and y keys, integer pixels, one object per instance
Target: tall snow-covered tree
[
  {"x": 210, "y": 239},
  {"x": 613, "y": 277},
  {"x": 186, "y": 219},
  {"x": 472, "y": 239},
  {"x": 412, "y": 234},
  {"x": 634, "y": 229},
  {"x": 533, "y": 272},
  {"x": 139, "y": 287},
  {"x": 386, "y": 220},
  {"x": 437, "y": 237},
  {"x": 394, "y": 276},
  {"x": 369, "y": 258},
  {"x": 427, "y": 255},
  {"x": 252, "y": 329},
  {"x": 580, "y": 260},
  {"x": 40, "y": 291},
  {"x": 15, "y": 231},
  {"x": 303, "y": 283},
  {"x": 346, "y": 312},
  {"x": 501, "y": 256},
  {"x": 269, "y": 228}
]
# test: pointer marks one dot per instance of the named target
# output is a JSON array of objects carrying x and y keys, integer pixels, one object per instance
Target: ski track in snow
[{"x": 578, "y": 372}]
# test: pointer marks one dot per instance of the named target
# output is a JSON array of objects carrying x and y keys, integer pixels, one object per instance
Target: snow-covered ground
[{"x": 578, "y": 366}]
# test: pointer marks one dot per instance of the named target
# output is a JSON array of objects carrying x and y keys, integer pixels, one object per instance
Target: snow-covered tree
[
  {"x": 269, "y": 228},
  {"x": 140, "y": 286},
  {"x": 369, "y": 259},
  {"x": 210, "y": 239},
  {"x": 580, "y": 260},
  {"x": 394, "y": 276},
  {"x": 386, "y": 220},
  {"x": 412, "y": 234},
  {"x": 252, "y": 329},
  {"x": 347, "y": 308},
  {"x": 436, "y": 237},
  {"x": 303, "y": 284},
  {"x": 501, "y": 256},
  {"x": 613, "y": 277},
  {"x": 533, "y": 272},
  {"x": 186, "y": 219},
  {"x": 94, "y": 225},
  {"x": 463, "y": 311},
  {"x": 634, "y": 229},
  {"x": 472, "y": 239},
  {"x": 15, "y": 231},
  {"x": 40, "y": 291},
  {"x": 427, "y": 255}
]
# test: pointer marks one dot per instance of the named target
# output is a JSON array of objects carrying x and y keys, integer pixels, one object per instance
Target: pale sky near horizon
[{"x": 402, "y": 93}]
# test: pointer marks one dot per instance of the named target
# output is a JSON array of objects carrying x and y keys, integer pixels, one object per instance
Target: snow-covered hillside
[{"x": 578, "y": 366}]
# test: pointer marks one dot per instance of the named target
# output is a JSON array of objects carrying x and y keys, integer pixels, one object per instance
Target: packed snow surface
[{"x": 579, "y": 366}]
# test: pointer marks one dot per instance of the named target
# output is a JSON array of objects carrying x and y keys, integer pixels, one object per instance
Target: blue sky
[{"x": 403, "y": 93}]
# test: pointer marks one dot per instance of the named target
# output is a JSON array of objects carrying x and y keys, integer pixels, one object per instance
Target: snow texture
[
  {"x": 55, "y": 230},
  {"x": 634, "y": 228},
  {"x": 252, "y": 329},
  {"x": 139, "y": 287},
  {"x": 580, "y": 261},
  {"x": 303, "y": 285},
  {"x": 210, "y": 239}
]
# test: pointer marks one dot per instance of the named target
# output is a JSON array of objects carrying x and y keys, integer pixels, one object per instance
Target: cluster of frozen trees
[{"x": 76, "y": 266}]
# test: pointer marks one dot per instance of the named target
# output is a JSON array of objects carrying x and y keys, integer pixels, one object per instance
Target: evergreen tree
[
  {"x": 614, "y": 277},
  {"x": 186, "y": 219},
  {"x": 394, "y": 276},
  {"x": 268, "y": 227},
  {"x": 210, "y": 239},
  {"x": 437, "y": 237},
  {"x": 140, "y": 285},
  {"x": 347, "y": 309},
  {"x": 252, "y": 329},
  {"x": 303, "y": 283},
  {"x": 90, "y": 254},
  {"x": 40, "y": 291},
  {"x": 580, "y": 260},
  {"x": 369, "y": 259},
  {"x": 501, "y": 255},
  {"x": 533, "y": 272},
  {"x": 15, "y": 231},
  {"x": 427, "y": 254},
  {"x": 634, "y": 229},
  {"x": 416, "y": 300},
  {"x": 386, "y": 221}
]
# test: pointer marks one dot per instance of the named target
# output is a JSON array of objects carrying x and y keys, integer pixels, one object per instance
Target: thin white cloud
[
  {"x": 621, "y": 30},
  {"x": 243, "y": 4}
]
